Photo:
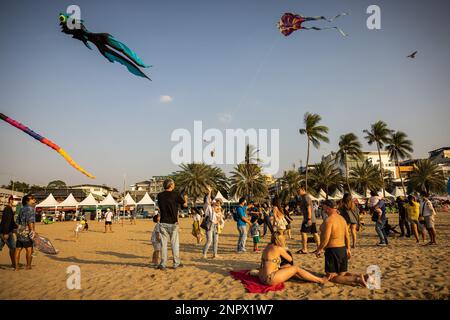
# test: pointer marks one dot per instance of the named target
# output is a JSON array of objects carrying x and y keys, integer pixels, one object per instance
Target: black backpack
[{"x": 236, "y": 215}]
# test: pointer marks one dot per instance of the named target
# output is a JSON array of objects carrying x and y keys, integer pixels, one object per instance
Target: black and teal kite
[{"x": 109, "y": 47}]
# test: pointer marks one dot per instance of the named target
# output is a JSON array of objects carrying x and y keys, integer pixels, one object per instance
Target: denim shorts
[{"x": 11, "y": 242}]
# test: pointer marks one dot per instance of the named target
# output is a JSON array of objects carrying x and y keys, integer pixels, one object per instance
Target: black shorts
[
  {"x": 108, "y": 223},
  {"x": 311, "y": 229},
  {"x": 24, "y": 244},
  {"x": 336, "y": 260}
]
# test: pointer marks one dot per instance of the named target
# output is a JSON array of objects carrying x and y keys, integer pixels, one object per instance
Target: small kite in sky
[
  {"x": 111, "y": 48},
  {"x": 291, "y": 22},
  {"x": 412, "y": 55},
  {"x": 45, "y": 141}
]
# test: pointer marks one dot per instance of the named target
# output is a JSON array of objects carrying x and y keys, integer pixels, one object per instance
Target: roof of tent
[
  {"x": 70, "y": 201},
  {"x": 108, "y": 201},
  {"x": 128, "y": 200},
  {"x": 146, "y": 200},
  {"x": 388, "y": 195},
  {"x": 89, "y": 201},
  {"x": 50, "y": 201},
  {"x": 219, "y": 196},
  {"x": 398, "y": 192}
]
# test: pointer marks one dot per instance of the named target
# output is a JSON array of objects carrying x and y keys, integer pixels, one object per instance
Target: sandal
[{"x": 301, "y": 252}]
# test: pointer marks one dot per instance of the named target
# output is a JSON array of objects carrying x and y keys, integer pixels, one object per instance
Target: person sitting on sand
[
  {"x": 335, "y": 240},
  {"x": 271, "y": 272}
]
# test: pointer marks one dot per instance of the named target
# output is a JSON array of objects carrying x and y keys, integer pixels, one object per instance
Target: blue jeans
[
  {"x": 242, "y": 238},
  {"x": 379, "y": 227},
  {"x": 170, "y": 231},
  {"x": 10, "y": 242},
  {"x": 212, "y": 236}
]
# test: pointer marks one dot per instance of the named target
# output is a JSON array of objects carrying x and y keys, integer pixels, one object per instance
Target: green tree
[
  {"x": 349, "y": 148},
  {"x": 399, "y": 147},
  {"x": 248, "y": 180},
  {"x": 326, "y": 176},
  {"x": 56, "y": 184},
  {"x": 427, "y": 176},
  {"x": 378, "y": 134},
  {"x": 315, "y": 134},
  {"x": 17, "y": 186},
  {"x": 290, "y": 182},
  {"x": 365, "y": 176},
  {"x": 195, "y": 178}
]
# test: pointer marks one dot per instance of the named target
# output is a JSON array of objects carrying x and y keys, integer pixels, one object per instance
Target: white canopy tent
[
  {"x": 49, "y": 202},
  {"x": 146, "y": 200},
  {"x": 128, "y": 201},
  {"x": 70, "y": 201},
  {"x": 89, "y": 201},
  {"x": 398, "y": 192},
  {"x": 108, "y": 201},
  {"x": 220, "y": 197},
  {"x": 338, "y": 195},
  {"x": 356, "y": 195},
  {"x": 388, "y": 195},
  {"x": 322, "y": 194}
]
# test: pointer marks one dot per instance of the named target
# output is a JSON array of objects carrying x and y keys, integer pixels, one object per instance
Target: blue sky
[{"x": 222, "y": 62}]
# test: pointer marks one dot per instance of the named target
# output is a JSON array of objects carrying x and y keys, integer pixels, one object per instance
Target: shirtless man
[{"x": 336, "y": 242}]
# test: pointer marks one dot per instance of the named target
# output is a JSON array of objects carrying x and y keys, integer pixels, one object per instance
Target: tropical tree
[
  {"x": 290, "y": 182},
  {"x": 427, "y": 176},
  {"x": 399, "y": 147},
  {"x": 326, "y": 176},
  {"x": 365, "y": 176},
  {"x": 56, "y": 184},
  {"x": 349, "y": 148},
  {"x": 251, "y": 155},
  {"x": 378, "y": 134},
  {"x": 248, "y": 180},
  {"x": 195, "y": 178},
  {"x": 315, "y": 134}
]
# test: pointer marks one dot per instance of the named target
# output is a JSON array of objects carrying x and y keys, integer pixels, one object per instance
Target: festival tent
[
  {"x": 108, "y": 201},
  {"x": 219, "y": 196},
  {"x": 356, "y": 195},
  {"x": 89, "y": 201},
  {"x": 388, "y": 195},
  {"x": 69, "y": 202},
  {"x": 128, "y": 201},
  {"x": 338, "y": 195},
  {"x": 145, "y": 201},
  {"x": 314, "y": 198},
  {"x": 398, "y": 192},
  {"x": 49, "y": 202},
  {"x": 322, "y": 194}
]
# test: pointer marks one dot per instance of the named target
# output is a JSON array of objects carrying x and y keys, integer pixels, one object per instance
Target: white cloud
[
  {"x": 165, "y": 99},
  {"x": 225, "y": 117}
]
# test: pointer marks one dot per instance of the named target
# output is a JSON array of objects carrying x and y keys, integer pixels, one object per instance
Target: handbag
[{"x": 206, "y": 223}]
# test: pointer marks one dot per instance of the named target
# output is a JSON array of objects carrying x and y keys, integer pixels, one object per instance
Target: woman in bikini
[{"x": 271, "y": 272}]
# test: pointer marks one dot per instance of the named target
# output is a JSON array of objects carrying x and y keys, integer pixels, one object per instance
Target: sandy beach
[{"x": 117, "y": 266}]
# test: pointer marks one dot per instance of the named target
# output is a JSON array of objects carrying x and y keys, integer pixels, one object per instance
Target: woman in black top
[
  {"x": 7, "y": 227},
  {"x": 350, "y": 212}
]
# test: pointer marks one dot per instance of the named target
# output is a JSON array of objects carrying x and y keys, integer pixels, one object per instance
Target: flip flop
[{"x": 301, "y": 252}]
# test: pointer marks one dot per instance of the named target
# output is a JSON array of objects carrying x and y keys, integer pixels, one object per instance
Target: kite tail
[
  {"x": 326, "y": 28},
  {"x": 116, "y": 44},
  {"x": 337, "y": 16}
]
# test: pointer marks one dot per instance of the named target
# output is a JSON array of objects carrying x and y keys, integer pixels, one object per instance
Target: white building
[{"x": 97, "y": 190}]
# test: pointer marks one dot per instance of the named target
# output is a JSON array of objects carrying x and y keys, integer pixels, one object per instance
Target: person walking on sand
[
  {"x": 242, "y": 221},
  {"x": 403, "y": 217},
  {"x": 168, "y": 202},
  {"x": 272, "y": 272},
  {"x": 350, "y": 212},
  {"x": 108, "y": 220},
  {"x": 309, "y": 220},
  {"x": 7, "y": 229},
  {"x": 428, "y": 213},
  {"x": 196, "y": 230},
  {"x": 335, "y": 242},
  {"x": 412, "y": 208},
  {"x": 26, "y": 220},
  {"x": 213, "y": 212}
]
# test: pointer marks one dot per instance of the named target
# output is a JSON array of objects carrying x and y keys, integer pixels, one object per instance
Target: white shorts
[{"x": 429, "y": 222}]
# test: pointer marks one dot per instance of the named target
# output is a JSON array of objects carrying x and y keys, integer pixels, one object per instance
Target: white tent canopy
[
  {"x": 128, "y": 201},
  {"x": 220, "y": 197},
  {"x": 398, "y": 192},
  {"x": 388, "y": 195},
  {"x": 338, "y": 195},
  {"x": 322, "y": 194},
  {"x": 49, "y": 202},
  {"x": 89, "y": 201},
  {"x": 146, "y": 200},
  {"x": 108, "y": 201},
  {"x": 70, "y": 201}
]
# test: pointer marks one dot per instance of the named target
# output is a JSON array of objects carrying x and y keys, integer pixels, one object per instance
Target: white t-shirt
[
  {"x": 426, "y": 207},
  {"x": 197, "y": 217},
  {"x": 108, "y": 216}
]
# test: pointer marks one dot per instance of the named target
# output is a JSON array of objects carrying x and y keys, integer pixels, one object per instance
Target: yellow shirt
[{"x": 413, "y": 210}]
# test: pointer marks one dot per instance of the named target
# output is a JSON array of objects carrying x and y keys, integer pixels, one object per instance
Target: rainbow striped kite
[{"x": 47, "y": 142}]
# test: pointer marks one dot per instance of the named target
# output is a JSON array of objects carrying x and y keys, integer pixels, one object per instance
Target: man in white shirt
[
  {"x": 428, "y": 213},
  {"x": 108, "y": 220}
]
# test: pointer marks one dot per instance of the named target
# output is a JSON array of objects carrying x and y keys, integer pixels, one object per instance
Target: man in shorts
[
  {"x": 335, "y": 240},
  {"x": 309, "y": 220},
  {"x": 26, "y": 220},
  {"x": 428, "y": 213},
  {"x": 108, "y": 220},
  {"x": 7, "y": 227}
]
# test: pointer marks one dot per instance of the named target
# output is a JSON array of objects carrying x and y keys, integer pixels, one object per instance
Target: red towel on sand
[{"x": 252, "y": 283}]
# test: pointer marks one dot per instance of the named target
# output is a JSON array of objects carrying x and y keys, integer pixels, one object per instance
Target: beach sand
[{"x": 117, "y": 266}]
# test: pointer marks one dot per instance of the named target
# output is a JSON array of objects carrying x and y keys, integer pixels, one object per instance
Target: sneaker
[
  {"x": 178, "y": 266},
  {"x": 162, "y": 268},
  {"x": 382, "y": 244}
]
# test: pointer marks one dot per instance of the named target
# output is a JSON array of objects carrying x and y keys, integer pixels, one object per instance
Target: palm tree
[
  {"x": 378, "y": 134},
  {"x": 290, "y": 181},
  {"x": 315, "y": 133},
  {"x": 365, "y": 176},
  {"x": 349, "y": 147},
  {"x": 248, "y": 180},
  {"x": 427, "y": 176},
  {"x": 326, "y": 176},
  {"x": 195, "y": 178},
  {"x": 251, "y": 155},
  {"x": 399, "y": 147}
]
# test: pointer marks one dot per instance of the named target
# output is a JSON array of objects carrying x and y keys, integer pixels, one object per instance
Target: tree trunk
[
  {"x": 326, "y": 193},
  {"x": 307, "y": 162},
  {"x": 346, "y": 174},
  {"x": 401, "y": 178},
  {"x": 381, "y": 170}
]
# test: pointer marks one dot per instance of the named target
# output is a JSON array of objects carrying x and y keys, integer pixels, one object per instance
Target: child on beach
[
  {"x": 78, "y": 228},
  {"x": 156, "y": 240},
  {"x": 196, "y": 230},
  {"x": 254, "y": 232}
]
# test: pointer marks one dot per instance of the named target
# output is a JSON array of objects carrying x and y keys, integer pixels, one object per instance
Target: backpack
[{"x": 236, "y": 215}]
